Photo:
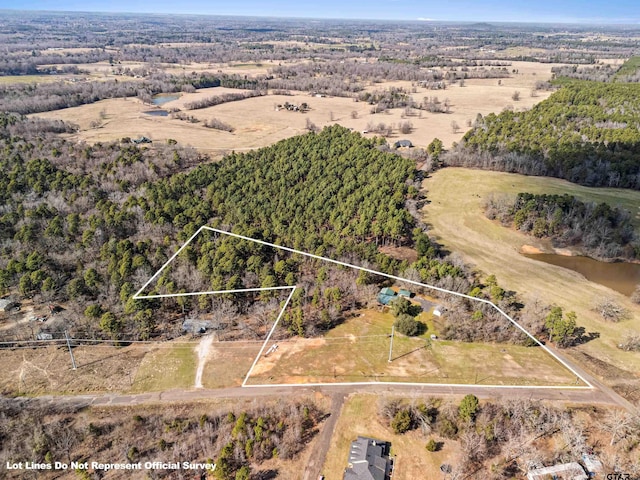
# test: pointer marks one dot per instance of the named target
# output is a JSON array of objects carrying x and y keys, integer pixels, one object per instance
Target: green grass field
[
  {"x": 456, "y": 214},
  {"x": 166, "y": 367},
  {"x": 629, "y": 67},
  {"x": 358, "y": 351},
  {"x": 8, "y": 79}
]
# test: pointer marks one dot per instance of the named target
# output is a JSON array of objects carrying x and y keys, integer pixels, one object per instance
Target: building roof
[
  {"x": 385, "y": 299},
  {"x": 194, "y": 325},
  {"x": 403, "y": 143},
  {"x": 592, "y": 463},
  {"x": 387, "y": 291},
  {"x": 404, "y": 293},
  {"x": 564, "y": 471},
  {"x": 368, "y": 460}
]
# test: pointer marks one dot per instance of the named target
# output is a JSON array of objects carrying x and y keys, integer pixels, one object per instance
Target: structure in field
[
  {"x": 405, "y": 293},
  {"x": 386, "y": 295},
  {"x": 564, "y": 471},
  {"x": 403, "y": 144},
  {"x": 369, "y": 460}
]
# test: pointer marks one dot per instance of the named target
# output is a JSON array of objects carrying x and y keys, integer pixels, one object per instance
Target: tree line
[
  {"x": 586, "y": 132},
  {"x": 598, "y": 229}
]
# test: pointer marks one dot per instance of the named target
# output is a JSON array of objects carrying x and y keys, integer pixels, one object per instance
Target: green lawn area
[
  {"x": 166, "y": 367},
  {"x": 29, "y": 79},
  {"x": 358, "y": 351},
  {"x": 629, "y": 67}
]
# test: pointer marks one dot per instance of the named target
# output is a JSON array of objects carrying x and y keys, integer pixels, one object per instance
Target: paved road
[
  {"x": 599, "y": 394},
  {"x": 585, "y": 395}
]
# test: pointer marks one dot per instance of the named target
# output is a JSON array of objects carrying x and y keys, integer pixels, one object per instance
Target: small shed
[
  {"x": 438, "y": 310},
  {"x": 194, "y": 326},
  {"x": 7, "y": 305},
  {"x": 386, "y": 295},
  {"x": 403, "y": 144},
  {"x": 44, "y": 336},
  {"x": 405, "y": 293},
  {"x": 565, "y": 471},
  {"x": 592, "y": 464}
]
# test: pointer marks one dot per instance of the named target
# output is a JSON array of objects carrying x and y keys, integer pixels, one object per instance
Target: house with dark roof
[
  {"x": 369, "y": 460},
  {"x": 386, "y": 295},
  {"x": 403, "y": 144}
]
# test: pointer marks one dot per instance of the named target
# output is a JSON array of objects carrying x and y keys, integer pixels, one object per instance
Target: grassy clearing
[
  {"x": 228, "y": 363},
  {"x": 358, "y": 351},
  {"x": 458, "y": 221},
  {"x": 359, "y": 416},
  {"x": 629, "y": 67},
  {"x": 38, "y": 371},
  {"x": 166, "y": 367},
  {"x": 8, "y": 79}
]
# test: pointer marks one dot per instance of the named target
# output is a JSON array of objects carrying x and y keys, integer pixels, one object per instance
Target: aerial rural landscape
[{"x": 259, "y": 247}]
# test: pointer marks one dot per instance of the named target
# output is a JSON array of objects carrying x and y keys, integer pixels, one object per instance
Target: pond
[
  {"x": 620, "y": 276},
  {"x": 163, "y": 98},
  {"x": 157, "y": 113}
]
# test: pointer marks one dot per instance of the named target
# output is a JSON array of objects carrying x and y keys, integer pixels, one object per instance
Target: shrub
[
  {"x": 402, "y": 421},
  {"x": 407, "y": 325},
  {"x": 432, "y": 445}
]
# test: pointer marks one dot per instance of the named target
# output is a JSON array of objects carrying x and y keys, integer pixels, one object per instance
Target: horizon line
[{"x": 572, "y": 22}]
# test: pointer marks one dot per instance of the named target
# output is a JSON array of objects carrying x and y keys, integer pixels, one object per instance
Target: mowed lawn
[
  {"x": 360, "y": 416},
  {"x": 169, "y": 366},
  {"x": 358, "y": 351},
  {"x": 456, "y": 215}
]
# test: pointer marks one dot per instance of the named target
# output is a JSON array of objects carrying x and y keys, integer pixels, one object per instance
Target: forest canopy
[
  {"x": 586, "y": 132},
  {"x": 599, "y": 229}
]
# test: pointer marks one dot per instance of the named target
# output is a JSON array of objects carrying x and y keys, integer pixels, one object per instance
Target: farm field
[
  {"x": 456, "y": 215},
  {"x": 258, "y": 124},
  {"x": 38, "y": 371},
  {"x": 358, "y": 351}
]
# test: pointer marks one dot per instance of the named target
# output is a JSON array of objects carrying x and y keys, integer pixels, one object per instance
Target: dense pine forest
[
  {"x": 87, "y": 225},
  {"x": 598, "y": 229},
  {"x": 586, "y": 132}
]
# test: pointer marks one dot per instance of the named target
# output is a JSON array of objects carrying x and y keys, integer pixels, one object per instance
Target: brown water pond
[{"x": 622, "y": 277}]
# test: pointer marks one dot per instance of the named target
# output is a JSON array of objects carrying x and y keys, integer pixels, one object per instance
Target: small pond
[
  {"x": 620, "y": 276},
  {"x": 157, "y": 113},
  {"x": 163, "y": 98}
]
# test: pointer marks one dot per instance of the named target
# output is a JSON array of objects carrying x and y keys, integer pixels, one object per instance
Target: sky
[{"x": 566, "y": 11}]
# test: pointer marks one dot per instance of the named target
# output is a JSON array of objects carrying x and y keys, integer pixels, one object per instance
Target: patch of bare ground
[
  {"x": 36, "y": 371},
  {"x": 400, "y": 253}
]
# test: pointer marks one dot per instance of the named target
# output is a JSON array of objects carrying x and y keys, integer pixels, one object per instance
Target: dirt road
[{"x": 316, "y": 461}]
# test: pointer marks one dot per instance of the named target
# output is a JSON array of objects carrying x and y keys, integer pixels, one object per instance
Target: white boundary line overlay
[{"x": 138, "y": 296}]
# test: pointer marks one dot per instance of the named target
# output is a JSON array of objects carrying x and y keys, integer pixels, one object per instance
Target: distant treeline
[
  {"x": 224, "y": 98},
  {"x": 599, "y": 229},
  {"x": 586, "y": 132},
  {"x": 44, "y": 97}
]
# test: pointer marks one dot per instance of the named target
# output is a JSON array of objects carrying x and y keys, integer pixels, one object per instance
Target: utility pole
[
  {"x": 391, "y": 344},
  {"x": 73, "y": 360}
]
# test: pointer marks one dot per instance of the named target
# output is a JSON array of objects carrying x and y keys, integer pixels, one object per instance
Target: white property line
[
  {"x": 368, "y": 270},
  {"x": 275, "y": 324}
]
